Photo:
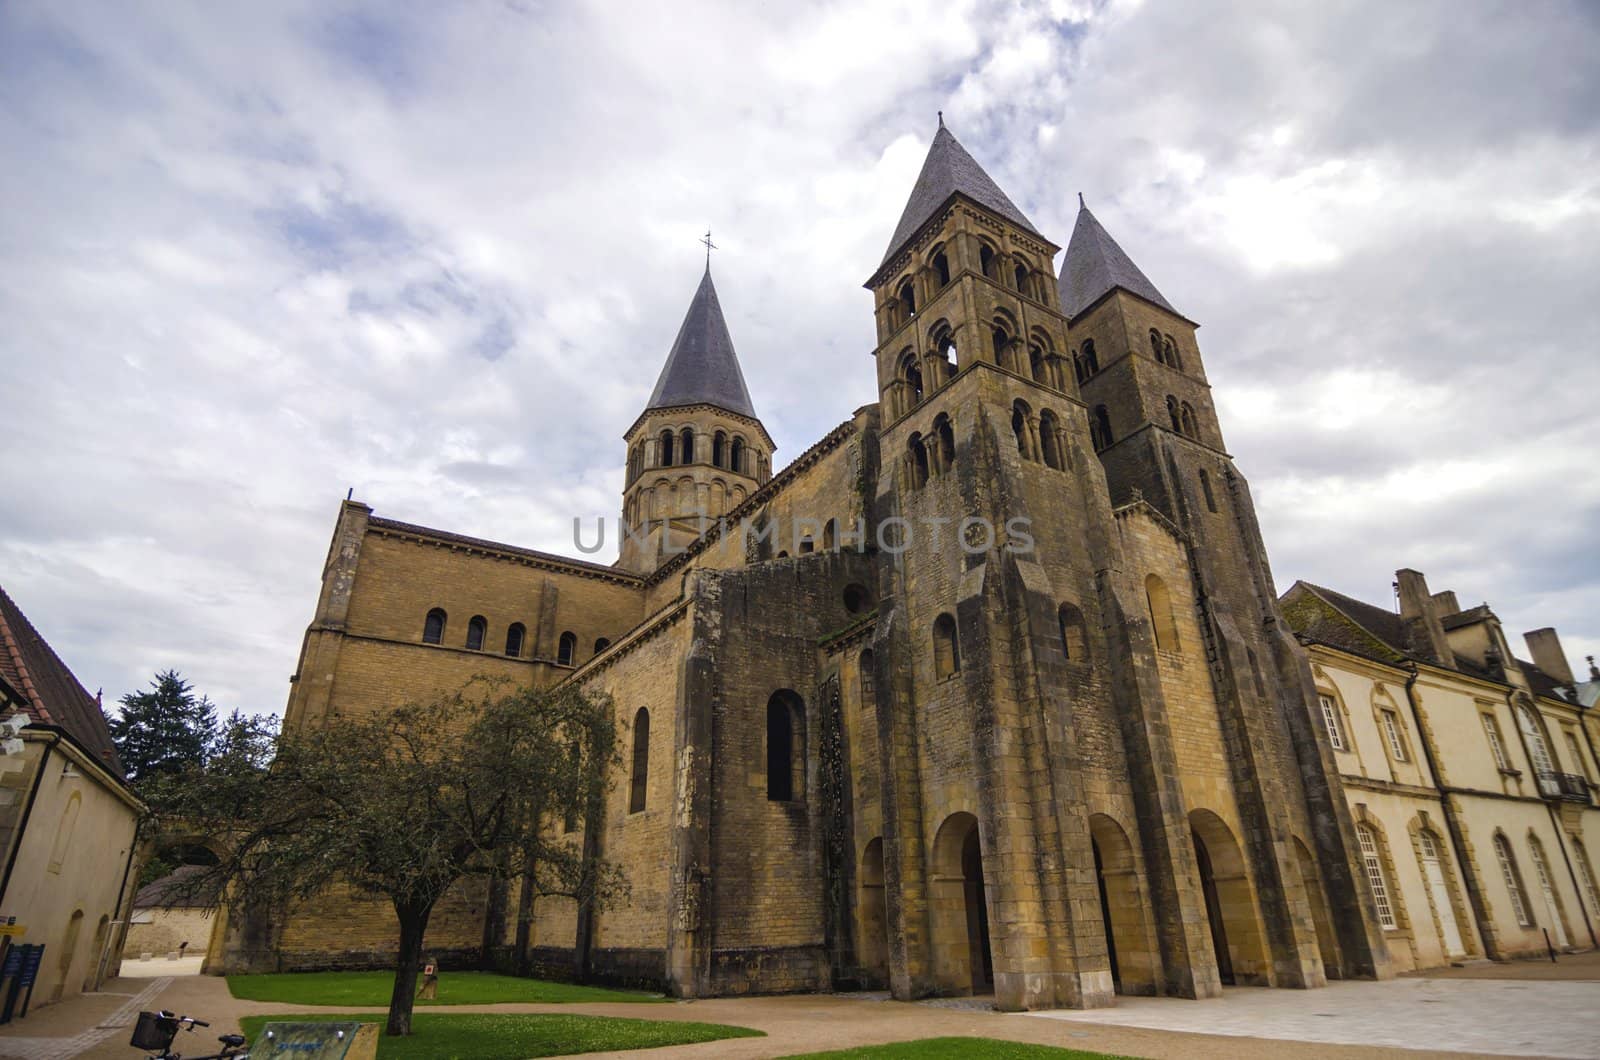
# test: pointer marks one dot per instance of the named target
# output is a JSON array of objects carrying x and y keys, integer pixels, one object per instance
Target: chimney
[
  {"x": 1445, "y": 603},
  {"x": 1594, "y": 671},
  {"x": 1545, "y": 647},
  {"x": 1422, "y": 619}
]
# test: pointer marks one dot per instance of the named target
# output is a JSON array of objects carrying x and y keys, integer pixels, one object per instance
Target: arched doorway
[
  {"x": 1431, "y": 851},
  {"x": 873, "y": 914},
  {"x": 962, "y": 959},
  {"x": 1133, "y": 968},
  {"x": 1230, "y": 903},
  {"x": 1327, "y": 941}
]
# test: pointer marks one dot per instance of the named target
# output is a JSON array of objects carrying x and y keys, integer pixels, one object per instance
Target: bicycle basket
[{"x": 154, "y": 1031}]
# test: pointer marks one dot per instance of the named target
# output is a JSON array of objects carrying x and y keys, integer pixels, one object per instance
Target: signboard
[
  {"x": 316, "y": 1041},
  {"x": 30, "y": 965}
]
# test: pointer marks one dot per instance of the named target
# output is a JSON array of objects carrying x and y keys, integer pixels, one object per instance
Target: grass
[
  {"x": 474, "y": 1036},
  {"x": 372, "y": 989},
  {"x": 957, "y": 1049}
]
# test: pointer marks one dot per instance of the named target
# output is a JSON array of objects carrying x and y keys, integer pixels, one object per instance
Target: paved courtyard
[
  {"x": 1411, "y": 1018},
  {"x": 1508, "y": 1017}
]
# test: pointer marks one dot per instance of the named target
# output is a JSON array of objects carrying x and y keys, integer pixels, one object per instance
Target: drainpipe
[
  {"x": 27, "y": 811},
  {"x": 1458, "y": 843}
]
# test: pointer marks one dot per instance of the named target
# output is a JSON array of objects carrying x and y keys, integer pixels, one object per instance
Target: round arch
[
  {"x": 1236, "y": 934},
  {"x": 1134, "y": 963},
  {"x": 962, "y": 958}
]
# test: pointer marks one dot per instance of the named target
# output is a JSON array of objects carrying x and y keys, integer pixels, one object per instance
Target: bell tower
[{"x": 698, "y": 449}]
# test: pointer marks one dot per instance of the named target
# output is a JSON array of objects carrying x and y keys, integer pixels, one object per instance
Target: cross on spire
[{"x": 710, "y": 246}]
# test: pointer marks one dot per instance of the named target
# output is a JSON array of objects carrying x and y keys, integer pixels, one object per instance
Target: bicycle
[{"x": 156, "y": 1030}]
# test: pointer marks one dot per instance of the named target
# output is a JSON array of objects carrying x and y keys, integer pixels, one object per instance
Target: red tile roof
[{"x": 52, "y": 696}]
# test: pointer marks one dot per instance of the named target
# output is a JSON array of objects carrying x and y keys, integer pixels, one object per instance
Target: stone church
[{"x": 1048, "y": 737}]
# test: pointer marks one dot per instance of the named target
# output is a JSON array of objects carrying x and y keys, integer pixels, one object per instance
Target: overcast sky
[{"x": 253, "y": 255}]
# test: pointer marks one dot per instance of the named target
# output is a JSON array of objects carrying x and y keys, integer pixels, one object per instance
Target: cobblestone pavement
[{"x": 1510, "y": 1017}]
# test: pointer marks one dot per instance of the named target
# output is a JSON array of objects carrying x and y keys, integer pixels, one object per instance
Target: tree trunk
[{"x": 413, "y": 925}]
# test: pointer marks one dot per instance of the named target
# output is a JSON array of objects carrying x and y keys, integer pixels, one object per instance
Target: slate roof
[
  {"x": 183, "y": 888},
  {"x": 52, "y": 695},
  {"x": 946, "y": 171},
  {"x": 1095, "y": 264},
  {"x": 703, "y": 368},
  {"x": 1339, "y": 621}
]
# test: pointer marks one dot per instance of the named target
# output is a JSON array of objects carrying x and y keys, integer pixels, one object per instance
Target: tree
[
  {"x": 407, "y": 804},
  {"x": 165, "y": 730}
]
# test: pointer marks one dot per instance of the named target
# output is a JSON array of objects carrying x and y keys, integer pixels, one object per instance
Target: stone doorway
[
  {"x": 1236, "y": 934},
  {"x": 1122, "y": 908},
  {"x": 962, "y": 955}
]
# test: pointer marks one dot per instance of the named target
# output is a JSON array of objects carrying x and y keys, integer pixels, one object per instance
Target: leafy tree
[
  {"x": 405, "y": 804},
  {"x": 165, "y": 730}
]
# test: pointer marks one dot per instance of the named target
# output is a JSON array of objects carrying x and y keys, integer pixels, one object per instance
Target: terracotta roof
[
  {"x": 702, "y": 368},
  {"x": 949, "y": 170},
  {"x": 1095, "y": 265},
  {"x": 51, "y": 694}
]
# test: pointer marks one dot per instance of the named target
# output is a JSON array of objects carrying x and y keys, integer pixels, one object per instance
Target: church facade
[{"x": 989, "y": 690}]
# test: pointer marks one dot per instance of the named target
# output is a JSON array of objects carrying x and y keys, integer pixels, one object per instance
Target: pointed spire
[
  {"x": 703, "y": 368},
  {"x": 948, "y": 169},
  {"x": 1095, "y": 264}
]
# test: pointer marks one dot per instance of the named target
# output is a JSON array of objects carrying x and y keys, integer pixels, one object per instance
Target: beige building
[
  {"x": 1469, "y": 772},
  {"x": 169, "y": 916},
  {"x": 67, "y": 818},
  {"x": 1038, "y": 732}
]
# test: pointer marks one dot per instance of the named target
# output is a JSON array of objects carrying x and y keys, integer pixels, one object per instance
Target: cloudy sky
[{"x": 254, "y": 255}]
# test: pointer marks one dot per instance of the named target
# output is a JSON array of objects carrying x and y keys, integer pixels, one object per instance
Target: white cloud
[{"x": 253, "y": 257}]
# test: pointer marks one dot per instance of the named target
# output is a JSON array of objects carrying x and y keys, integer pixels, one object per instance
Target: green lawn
[
  {"x": 958, "y": 1049},
  {"x": 473, "y": 1036},
  {"x": 358, "y": 989}
]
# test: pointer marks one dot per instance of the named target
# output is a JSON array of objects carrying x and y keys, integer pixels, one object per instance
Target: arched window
[
  {"x": 719, "y": 448},
  {"x": 1077, "y": 369},
  {"x": 1162, "y": 622},
  {"x": 1022, "y": 280},
  {"x": 941, "y": 268},
  {"x": 477, "y": 628},
  {"x": 1091, "y": 360},
  {"x": 830, "y": 536},
  {"x": 433, "y": 627},
  {"x": 1372, "y": 860},
  {"x": 917, "y": 456},
  {"x": 907, "y": 297},
  {"x": 686, "y": 446},
  {"x": 987, "y": 263},
  {"x": 1205, "y": 488},
  {"x": 947, "y": 442},
  {"x": 866, "y": 677},
  {"x": 1074, "y": 645},
  {"x": 913, "y": 377},
  {"x": 69, "y": 824},
  {"x": 567, "y": 649},
  {"x": 664, "y": 447},
  {"x": 946, "y": 347},
  {"x": 1533, "y": 733},
  {"x": 1172, "y": 414},
  {"x": 999, "y": 340},
  {"x": 785, "y": 746},
  {"x": 1586, "y": 873},
  {"x": 1050, "y": 441},
  {"x": 736, "y": 456},
  {"x": 1019, "y": 427},
  {"x": 1170, "y": 348},
  {"x": 1191, "y": 426},
  {"x": 1100, "y": 429},
  {"x": 601, "y": 644},
  {"x": 638, "y": 779},
  {"x": 946, "y": 650},
  {"x": 1513, "y": 878},
  {"x": 856, "y": 598},
  {"x": 514, "y": 635},
  {"x": 1036, "y": 365},
  {"x": 1155, "y": 345}
]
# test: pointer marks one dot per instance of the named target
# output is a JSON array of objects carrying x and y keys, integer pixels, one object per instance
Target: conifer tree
[{"x": 164, "y": 730}]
